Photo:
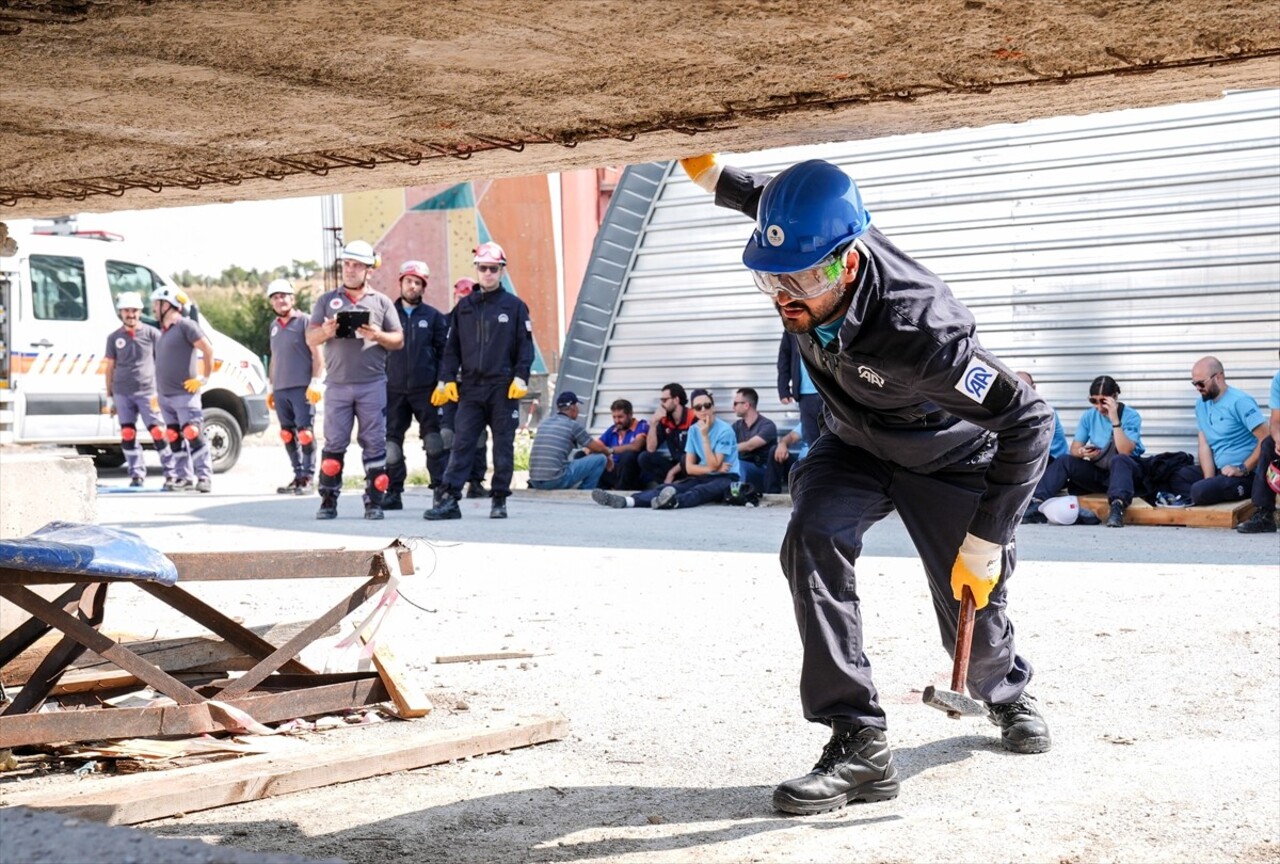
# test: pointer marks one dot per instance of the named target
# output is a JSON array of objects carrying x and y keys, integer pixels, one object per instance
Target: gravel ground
[{"x": 668, "y": 641}]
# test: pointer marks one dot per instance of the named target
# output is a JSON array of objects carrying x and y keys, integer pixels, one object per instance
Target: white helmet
[
  {"x": 1063, "y": 510},
  {"x": 129, "y": 300},
  {"x": 359, "y": 250},
  {"x": 415, "y": 268},
  {"x": 172, "y": 296},
  {"x": 280, "y": 286}
]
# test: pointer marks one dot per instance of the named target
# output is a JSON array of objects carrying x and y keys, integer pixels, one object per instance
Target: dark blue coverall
[
  {"x": 411, "y": 377},
  {"x": 922, "y": 419},
  {"x": 490, "y": 343}
]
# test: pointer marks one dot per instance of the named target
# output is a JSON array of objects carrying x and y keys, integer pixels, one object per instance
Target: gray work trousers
[
  {"x": 184, "y": 416},
  {"x": 839, "y": 491}
]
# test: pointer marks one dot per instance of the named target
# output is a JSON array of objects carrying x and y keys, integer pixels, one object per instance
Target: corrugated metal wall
[{"x": 1128, "y": 244}]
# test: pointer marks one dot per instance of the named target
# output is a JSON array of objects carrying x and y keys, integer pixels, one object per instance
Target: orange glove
[
  {"x": 518, "y": 388},
  {"x": 703, "y": 170},
  {"x": 315, "y": 391},
  {"x": 193, "y": 385},
  {"x": 978, "y": 567},
  {"x": 155, "y": 403},
  {"x": 271, "y": 401},
  {"x": 445, "y": 392}
]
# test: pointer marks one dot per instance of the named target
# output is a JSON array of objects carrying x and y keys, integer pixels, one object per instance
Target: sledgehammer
[{"x": 955, "y": 701}]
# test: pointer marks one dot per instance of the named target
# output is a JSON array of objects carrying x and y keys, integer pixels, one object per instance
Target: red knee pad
[
  {"x": 305, "y": 438},
  {"x": 286, "y": 435},
  {"x": 330, "y": 467},
  {"x": 171, "y": 435},
  {"x": 157, "y": 433},
  {"x": 191, "y": 431},
  {"x": 128, "y": 433},
  {"x": 381, "y": 482}
]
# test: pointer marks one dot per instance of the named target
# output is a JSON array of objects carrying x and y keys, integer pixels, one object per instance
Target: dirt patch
[{"x": 106, "y": 101}]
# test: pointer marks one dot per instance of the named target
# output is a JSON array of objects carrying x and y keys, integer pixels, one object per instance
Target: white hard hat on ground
[{"x": 1063, "y": 510}]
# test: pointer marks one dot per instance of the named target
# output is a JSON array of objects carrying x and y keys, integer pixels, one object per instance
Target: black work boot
[
  {"x": 856, "y": 765},
  {"x": 1261, "y": 522},
  {"x": 1033, "y": 516},
  {"x": 1022, "y": 729},
  {"x": 446, "y": 507},
  {"x": 1115, "y": 519},
  {"x": 475, "y": 489},
  {"x": 289, "y": 489},
  {"x": 328, "y": 506},
  {"x": 498, "y": 509},
  {"x": 392, "y": 501}
]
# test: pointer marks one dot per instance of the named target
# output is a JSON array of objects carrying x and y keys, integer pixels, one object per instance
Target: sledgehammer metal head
[
  {"x": 955, "y": 704},
  {"x": 954, "y": 701}
]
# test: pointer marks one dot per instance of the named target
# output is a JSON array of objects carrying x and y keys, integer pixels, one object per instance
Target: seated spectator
[
  {"x": 1102, "y": 456},
  {"x": 625, "y": 441},
  {"x": 1058, "y": 446},
  {"x": 757, "y": 436},
  {"x": 795, "y": 385},
  {"x": 711, "y": 462},
  {"x": 663, "y": 459},
  {"x": 1231, "y": 433},
  {"x": 790, "y": 450},
  {"x": 551, "y": 465},
  {"x": 1266, "y": 476}
]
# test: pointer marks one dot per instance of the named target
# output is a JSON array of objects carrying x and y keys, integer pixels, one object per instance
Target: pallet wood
[
  {"x": 408, "y": 697},
  {"x": 140, "y": 798},
  {"x": 496, "y": 655},
  {"x": 1228, "y": 514}
]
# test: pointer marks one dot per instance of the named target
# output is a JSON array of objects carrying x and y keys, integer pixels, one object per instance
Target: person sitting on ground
[
  {"x": 757, "y": 435},
  {"x": 551, "y": 462},
  {"x": 1102, "y": 455},
  {"x": 1266, "y": 478},
  {"x": 625, "y": 441},
  {"x": 663, "y": 459},
  {"x": 1231, "y": 433},
  {"x": 1058, "y": 446},
  {"x": 711, "y": 463}
]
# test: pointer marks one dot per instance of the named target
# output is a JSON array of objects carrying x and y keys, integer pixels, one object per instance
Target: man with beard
[
  {"x": 1232, "y": 429},
  {"x": 355, "y": 357},
  {"x": 296, "y": 368},
  {"x": 662, "y": 462},
  {"x": 130, "y": 372},
  {"x": 411, "y": 376},
  {"x": 920, "y": 418},
  {"x": 178, "y": 386},
  {"x": 487, "y": 359}
]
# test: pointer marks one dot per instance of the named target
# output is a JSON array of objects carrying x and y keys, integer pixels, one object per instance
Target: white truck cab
[{"x": 57, "y": 306}]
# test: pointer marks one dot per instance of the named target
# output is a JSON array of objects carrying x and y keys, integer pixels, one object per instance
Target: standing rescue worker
[
  {"x": 130, "y": 375},
  {"x": 480, "y": 466},
  {"x": 920, "y": 418},
  {"x": 411, "y": 377},
  {"x": 486, "y": 371},
  {"x": 296, "y": 368},
  {"x": 355, "y": 379},
  {"x": 179, "y": 386}
]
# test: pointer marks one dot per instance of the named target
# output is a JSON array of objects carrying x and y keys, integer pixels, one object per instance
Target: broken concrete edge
[{"x": 37, "y": 488}]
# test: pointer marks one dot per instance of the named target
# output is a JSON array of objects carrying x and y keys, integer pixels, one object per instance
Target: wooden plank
[
  {"x": 143, "y": 797},
  {"x": 290, "y": 564},
  {"x": 497, "y": 655},
  {"x": 94, "y": 724},
  {"x": 409, "y": 699},
  {"x": 1225, "y": 515}
]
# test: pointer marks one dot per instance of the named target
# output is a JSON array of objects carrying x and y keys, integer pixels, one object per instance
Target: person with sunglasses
[
  {"x": 1103, "y": 455},
  {"x": 1231, "y": 432},
  {"x": 920, "y": 418},
  {"x": 710, "y": 461},
  {"x": 487, "y": 359}
]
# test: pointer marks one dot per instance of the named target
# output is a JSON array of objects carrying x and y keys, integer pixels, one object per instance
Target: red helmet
[
  {"x": 415, "y": 268},
  {"x": 463, "y": 287},
  {"x": 489, "y": 253}
]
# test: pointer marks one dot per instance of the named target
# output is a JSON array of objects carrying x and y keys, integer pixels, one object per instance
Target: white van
[{"x": 57, "y": 306}]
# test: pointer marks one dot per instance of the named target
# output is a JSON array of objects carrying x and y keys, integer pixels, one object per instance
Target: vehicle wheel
[
  {"x": 103, "y": 457},
  {"x": 223, "y": 435}
]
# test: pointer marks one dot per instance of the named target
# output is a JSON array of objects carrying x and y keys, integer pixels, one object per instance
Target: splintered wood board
[
  {"x": 143, "y": 797},
  {"x": 1225, "y": 515}
]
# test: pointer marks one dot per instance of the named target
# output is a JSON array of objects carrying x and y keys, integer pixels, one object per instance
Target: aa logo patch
[{"x": 977, "y": 380}]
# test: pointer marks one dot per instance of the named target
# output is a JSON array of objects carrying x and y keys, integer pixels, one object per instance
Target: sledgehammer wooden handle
[{"x": 964, "y": 638}]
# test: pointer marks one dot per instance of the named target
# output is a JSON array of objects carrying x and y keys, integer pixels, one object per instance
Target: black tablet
[{"x": 350, "y": 320}]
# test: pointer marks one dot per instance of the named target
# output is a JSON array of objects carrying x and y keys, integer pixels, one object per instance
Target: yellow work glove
[
  {"x": 315, "y": 391},
  {"x": 703, "y": 170},
  {"x": 445, "y": 392},
  {"x": 977, "y": 566},
  {"x": 518, "y": 388},
  {"x": 271, "y": 401},
  {"x": 155, "y": 403},
  {"x": 193, "y": 385}
]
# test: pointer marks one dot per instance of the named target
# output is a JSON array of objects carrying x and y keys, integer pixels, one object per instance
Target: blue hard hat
[{"x": 805, "y": 213}]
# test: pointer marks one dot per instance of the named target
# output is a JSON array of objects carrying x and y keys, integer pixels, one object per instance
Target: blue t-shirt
[
  {"x": 806, "y": 383},
  {"x": 827, "y": 333},
  {"x": 1275, "y": 393},
  {"x": 723, "y": 441},
  {"x": 1227, "y": 424},
  {"x": 1094, "y": 429},
  {"x": 1058, "y": 446}
]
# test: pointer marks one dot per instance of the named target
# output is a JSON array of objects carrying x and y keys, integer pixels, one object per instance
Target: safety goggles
[{"x": 804, "y": 284}]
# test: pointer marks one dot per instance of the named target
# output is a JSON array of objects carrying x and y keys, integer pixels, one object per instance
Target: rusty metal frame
[{"x": 277, "y": 687}]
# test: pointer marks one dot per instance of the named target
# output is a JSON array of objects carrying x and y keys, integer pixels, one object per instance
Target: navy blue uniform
[
  {"x": 490, "y": 343},
  {"x": 412, "y": 373},
  {"x": 920, "y": 418}
]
